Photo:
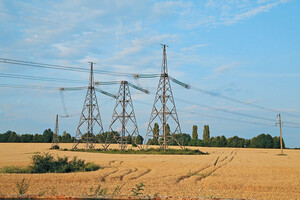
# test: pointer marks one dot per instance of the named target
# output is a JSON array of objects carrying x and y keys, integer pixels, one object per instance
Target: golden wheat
[{"x": 224, "y": 173}]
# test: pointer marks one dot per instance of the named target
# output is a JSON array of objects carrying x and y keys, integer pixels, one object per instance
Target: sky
[{"x": 246, "y": 51}]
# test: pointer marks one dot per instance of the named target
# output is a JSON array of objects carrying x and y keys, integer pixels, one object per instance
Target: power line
[
  {"x": 225, "y": 118},
  {"x": 212, "y": 116},
  {"x": 40, "y": 78},
  {"x": 225, "y": 110},
  {"x": 239, "y": 101},
  {"x": 76, "y": 69},
  {"x": 135, "y": 75},
  {"x": 28, "y": 87}
]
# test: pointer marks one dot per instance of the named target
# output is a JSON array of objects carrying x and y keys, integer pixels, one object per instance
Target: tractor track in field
[{"x": 208, "y": 170}]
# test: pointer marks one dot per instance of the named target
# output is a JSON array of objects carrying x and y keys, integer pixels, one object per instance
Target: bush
[
  {"x": 46, "y": 163},
  {"x": 22, "y": 187},
  {"x": 55, "y": 147}
]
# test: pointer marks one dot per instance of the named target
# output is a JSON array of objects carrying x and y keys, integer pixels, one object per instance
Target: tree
[
  {"x": 5, "y": 136},
  {"x": 154, "y": 141},
  {"x": 206, "y": 134},
  {"x": 48, "y": 135},
  {"x": 66, "y": 138},
  {"x": 169, "y": 140},
  {"x": 236, "y": 141},
  {"x": 14, "y": 137},
  {"x": 262, "y": 141},
  {"x": 276, "y": 143},
  {"x": 37, "y": 138},
  {"x": 167, "y": 130},
  {"x": 195, "y": 132},
  {"x": 129, "y": 139},
  {"x": 186, "y": 138},
  {"x": 26, "y": 138},
  {"x": 223, "y": 141},
  {"x": 139, "y": 139}
]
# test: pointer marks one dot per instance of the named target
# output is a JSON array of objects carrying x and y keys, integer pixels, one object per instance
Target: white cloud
[
  {"x": 194, "y": 47},
  {"x": 225, "y": 68},
  {"x": 252, "y": 12}
]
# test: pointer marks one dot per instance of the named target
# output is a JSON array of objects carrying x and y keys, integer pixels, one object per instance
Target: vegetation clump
[
  {"x": 22, "y": 187},
  {"x": 138, "y": 190},
  {"x": 146, "y": 151},
  {"x": 47, "y": 163}
]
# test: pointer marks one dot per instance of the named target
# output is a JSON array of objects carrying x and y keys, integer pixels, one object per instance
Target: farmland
[{"x": 224, "y": 173}]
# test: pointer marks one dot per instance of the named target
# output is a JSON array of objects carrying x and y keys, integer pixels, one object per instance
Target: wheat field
[{"x": 224, "y": 173}]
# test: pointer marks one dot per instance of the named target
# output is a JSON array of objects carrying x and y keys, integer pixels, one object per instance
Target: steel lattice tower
[
  {"x": 55, "y": 135},
  {"x": 124, "y": 114},
  {"x": 163, "y": 108},
  {"x": 90, "y": 120}
]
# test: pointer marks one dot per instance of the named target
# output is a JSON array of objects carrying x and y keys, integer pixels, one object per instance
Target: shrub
[
  {"x": 138, "y": 189},
  {"x": 97, "y": 192},
  {"x": 55, "y": 147},
  {"x": 22, "y": 187},
  {"x": 46, "y": 163}
]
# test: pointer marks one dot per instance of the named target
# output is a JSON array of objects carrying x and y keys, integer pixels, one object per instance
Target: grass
[
  {"x": 47, "y": 163},
  {"x": 138, "y": 190},
  {"x": 15, "y": 170},
  {"x": 22, "y": 187},
  {"x": 146, "y": 151}
]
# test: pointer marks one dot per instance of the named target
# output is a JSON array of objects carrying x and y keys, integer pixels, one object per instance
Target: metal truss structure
[
  {"x": 55, "y": 135},
  {"x": 90, "y": 122},
  {"x": 163, "y": 110},
  {"x": 124, "y": 116}
]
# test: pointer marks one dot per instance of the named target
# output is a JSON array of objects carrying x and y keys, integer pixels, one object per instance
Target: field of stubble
[{"x": 224, "y": 173}]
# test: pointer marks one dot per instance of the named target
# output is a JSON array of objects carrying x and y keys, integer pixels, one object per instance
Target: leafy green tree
[
  {"x": 111, "y": 137},
  {"x": 66, "y": 138},
  {"x": 206, "y": 135},
  {"x": 48, "y": 135},
  {"x": 167, "y": 130},
  {"x": 139, "y": 139},
  {"x": 14, "y": 137},
  {"x": 26, "y": 138},
  {"x": 236, "y": 141},
  {"x": 262, "y": 141},
  {"x": 276, "y": 143},
  {"x": 195, "y": 132},
  {"x": 37, "y": 138},
  {"x": 155, "y": 134},
  {"x": 186, "y": 138},
  {"x": 129, "y": 139},
  {"x": 247, "y": 143},
  {"x": 5, "y": 136},
  {"x": 223, "y": 141}
]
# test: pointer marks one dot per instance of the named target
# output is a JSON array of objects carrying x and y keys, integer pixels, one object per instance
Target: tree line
[
  {"x": 260, "y": 141},
  {"x": 47, "y": 137}
]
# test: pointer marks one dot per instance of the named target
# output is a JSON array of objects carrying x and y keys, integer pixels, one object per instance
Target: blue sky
[{"x": 246, "y": 50}]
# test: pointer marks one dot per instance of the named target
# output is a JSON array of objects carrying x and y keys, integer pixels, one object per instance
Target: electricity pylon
[
  {"x": 55, "y": 135},
  {"x": 164, "y": 109},
  {"x": 90, "y": 120},
  {"x": 124, "y": 114}
]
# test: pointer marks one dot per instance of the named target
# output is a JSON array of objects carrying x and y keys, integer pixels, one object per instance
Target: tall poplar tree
[
  {"x": 195, "y": 132},
  {"x": 206, "y": 134}
]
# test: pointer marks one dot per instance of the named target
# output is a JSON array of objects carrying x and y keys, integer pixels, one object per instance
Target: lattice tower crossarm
[
  {"x": 55, "y": 135},
  {"x": 90, "y": 119},
  {"x": 164, "y": 109},
  {"x": 123, "y": 114}
]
